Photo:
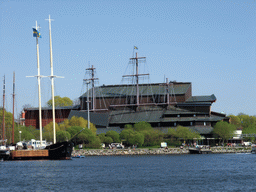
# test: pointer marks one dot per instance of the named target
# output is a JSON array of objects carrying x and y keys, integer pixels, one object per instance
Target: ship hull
[
  {"x": 60, "y": 151},
  {"x": 4, "y": 154}
]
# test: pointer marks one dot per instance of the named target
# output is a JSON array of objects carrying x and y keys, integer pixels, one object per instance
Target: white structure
[{"x": 238, "y": 134}]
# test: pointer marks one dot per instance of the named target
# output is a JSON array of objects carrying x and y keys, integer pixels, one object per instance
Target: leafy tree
[
  {"x": 247, "y": 120},
  {"x": 251, "y": 129},
  {"x": 48, "y": 131},
  {"x": 224, "y": 130},
  {"x": 62, "y": 136},
  {"x": 7, "y": 120},
  {"x": 108, "y": 140},
  {"x": 235, "y": 120},
  {"x": 152, "y": 137},
  {"x": 182, "y": 133},
  {"x": 131, "y": 137},
  {"x": 114, "y": 135},
  {"x": 128, "y": 126},
  {"x": 86, "y": 137},
  {"x": 102, "y": 136},
  {"x": 60, "y": 101},
  {"x": 141, "y": 126},
  {"x": 78, "y": 121}
]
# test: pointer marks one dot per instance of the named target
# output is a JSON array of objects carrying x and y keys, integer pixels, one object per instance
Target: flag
[
  {"x": 135, "y": 47},
  {"x": 36, "y": 33}
]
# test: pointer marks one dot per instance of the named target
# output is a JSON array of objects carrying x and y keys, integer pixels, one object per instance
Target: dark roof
[
  {"x": 126, "y": 117},
  {"x": 195, "y": 104},
  {"x": 200, "y": 119},
  {"x": 50, "y": 108},
  {"x": 144, "y": 89},
  {"x": 205, "y": 98},
  {"x": 98, "y": 119}
]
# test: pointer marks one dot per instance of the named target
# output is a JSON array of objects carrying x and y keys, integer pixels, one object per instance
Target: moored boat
[{"x": 253, "y": 148}]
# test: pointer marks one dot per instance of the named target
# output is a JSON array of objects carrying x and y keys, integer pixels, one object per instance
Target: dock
[{"x": 29, "y": 154}]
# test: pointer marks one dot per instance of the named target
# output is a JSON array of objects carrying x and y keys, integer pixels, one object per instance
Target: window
[{"x": 204, "y": 123}]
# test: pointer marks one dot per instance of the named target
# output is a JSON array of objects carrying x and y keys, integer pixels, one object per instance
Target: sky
[{"x": 210, "y": 43}]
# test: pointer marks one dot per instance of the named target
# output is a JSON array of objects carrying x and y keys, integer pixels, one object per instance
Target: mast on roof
[
  {"x": 137, "y": 59},
  {"x": 52, "y": 81},
  {"x": 92, "y": 79}
]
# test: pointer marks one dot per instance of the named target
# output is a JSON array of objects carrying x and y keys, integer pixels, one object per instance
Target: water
[{"x": 210, "y": 172}]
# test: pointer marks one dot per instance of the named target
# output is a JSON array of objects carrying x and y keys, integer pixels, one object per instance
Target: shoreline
[{"x": 154, "y": 151}]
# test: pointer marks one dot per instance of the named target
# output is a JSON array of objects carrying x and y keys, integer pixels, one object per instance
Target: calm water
[{"x": 214, "y": 172}]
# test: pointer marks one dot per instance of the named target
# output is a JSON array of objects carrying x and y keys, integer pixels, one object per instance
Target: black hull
[
  {"x": 60, "y": 151},
  {"x": 4, "y": 154}
]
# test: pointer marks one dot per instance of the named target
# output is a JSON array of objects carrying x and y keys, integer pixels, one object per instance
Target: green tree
[
  {"x": 224, "y": 130},
  {"x": 152, "y": 137},
  {"x": 235, "y": 120},
  {"x": 102, "y": 136},
  {"x": 114, "y": 135},
  {"x": 60, "y": 101},
  {"x": 62, "y": 136},
  {"x": 142, "y": 126},
  {"x": 182, "y": 133},
  {"x": 108, "y": 140},
  {"x": 132, "y": 137},
  {"x": 251, "y": 129},
  {"x": 79, "y": 121}
]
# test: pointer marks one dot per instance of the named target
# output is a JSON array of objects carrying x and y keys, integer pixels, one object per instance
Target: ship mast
[
  {"x": 13, "y": 95},
  {"x": 92, "y": 79},
  {"x": 137, "y": 76},
  {"x": 3, "y": 127},
  {"x": 52, "y": 80},
  {"x": 37, "y": 35}
]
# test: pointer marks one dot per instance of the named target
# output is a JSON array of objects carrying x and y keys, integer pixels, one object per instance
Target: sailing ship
[{"x": 57, "y": 150}]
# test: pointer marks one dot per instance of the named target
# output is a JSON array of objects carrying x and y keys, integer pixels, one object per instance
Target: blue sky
[{"x": 210, "y": 43}]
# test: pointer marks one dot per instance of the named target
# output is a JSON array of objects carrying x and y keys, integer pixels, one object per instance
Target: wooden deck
[{"x": 29, "y": 154}]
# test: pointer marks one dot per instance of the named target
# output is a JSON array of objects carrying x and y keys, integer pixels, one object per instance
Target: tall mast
[
  {"x": 92, "y": 79},
  {"x": 3, "y": 132},
  {"x": 37, "y": 35},
  {"x": 88, "y": 111},
  {"x": 13, "y": 95},
  {"x": 39, "y": 87},
  {"x": 52, "y": 80},
  {"x": 137, "y": 76}
]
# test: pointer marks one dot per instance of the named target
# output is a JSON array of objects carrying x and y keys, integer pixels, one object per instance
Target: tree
[
  {"x": 60, "y": 101},
  {"x": 80, "y": 121},
  {"x": 152, "y": 137},
  {"x": 48, "y": 131},
  {"x": 224, "y": 130},
  {"x": 235, "y": 120},
  {"x": 62, "y": 136},
  {"x": 183, "y": 133},
  {"x": 131, "y": 137},
  {"x": 114, "y": 135},
  {"x": 251, "y": 129},
  {"x": 141, "y": 126}
]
